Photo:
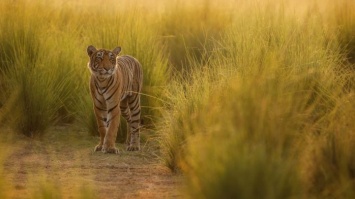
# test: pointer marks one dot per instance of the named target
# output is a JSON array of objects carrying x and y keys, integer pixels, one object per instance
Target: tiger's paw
[
  {"x": 133, "y": 148},
  {"x": 98, "y": 148},
  {"x": 110, "y": 150}
]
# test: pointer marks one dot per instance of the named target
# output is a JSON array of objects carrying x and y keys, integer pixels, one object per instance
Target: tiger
[{"x": 115, "y": 85}]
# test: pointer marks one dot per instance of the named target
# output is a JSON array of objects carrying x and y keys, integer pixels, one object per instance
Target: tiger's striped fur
[{"x": 115, "y": 84}]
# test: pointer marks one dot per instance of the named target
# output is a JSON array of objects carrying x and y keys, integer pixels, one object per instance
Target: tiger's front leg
[
  {"x": 111, "y": 133},
  {"x": 102, "y": 127},
  {"x": 101, "y": 119}
]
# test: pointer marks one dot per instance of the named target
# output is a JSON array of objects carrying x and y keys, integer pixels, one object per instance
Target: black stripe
[
  {"x": 126, "y": 110},
  {"x": 139, "y": 111},
  {"x": 135, "y": 105},
  {"x": 104, "y": 91},
  {"x": 100, "y": 108},
  {"x": 97, "y": 78},
  {"x": 135, "y": 121},
  {"x": 113, "y": 84},
  {"x": 110, "y": 81},
  {"x": 133, "y": 99},
  {"x": 109, "y": 84},
  {"x": 111, "y": 109},
  {"x": 97, "y": 88},
  {"x": 113, "y": 93},
  {"x": 98, "y": 100},
  {"x": 125, "y": 116},
  {"x": 123, "y": 106}
]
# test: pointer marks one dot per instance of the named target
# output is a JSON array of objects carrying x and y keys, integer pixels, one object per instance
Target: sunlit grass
[
  {"x": 340, "y": 16},
  {"x": 48, "y": 64},
  {"x": 248, "y": 98},
  {"x": 272, "y": 82},
  {"x": 192, "y": 29}
]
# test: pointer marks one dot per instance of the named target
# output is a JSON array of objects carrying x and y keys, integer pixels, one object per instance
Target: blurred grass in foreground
[{"x": 240, "y": 126}]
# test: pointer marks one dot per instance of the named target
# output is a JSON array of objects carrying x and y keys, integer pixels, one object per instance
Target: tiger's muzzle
[{"x": 106, "y": 73}]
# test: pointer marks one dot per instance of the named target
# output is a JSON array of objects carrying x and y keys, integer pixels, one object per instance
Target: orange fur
[{"x": 115, "y": 84}]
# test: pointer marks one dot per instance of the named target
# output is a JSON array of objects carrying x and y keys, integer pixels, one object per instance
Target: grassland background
[{"x": 248, "y": 99}]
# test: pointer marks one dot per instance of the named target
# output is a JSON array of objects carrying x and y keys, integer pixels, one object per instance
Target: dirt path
[{"x": 64, "y": 165}]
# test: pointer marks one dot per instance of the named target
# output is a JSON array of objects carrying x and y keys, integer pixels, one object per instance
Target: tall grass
[
  {"x": 23, "y": 70},
  {"x": 240, "y": 128},
  {"x": 252, "y": 99},
  {"x": 44, "y": 59},
  {"x": 191, "y": 30},
  {"x": 342, "y": 18}
]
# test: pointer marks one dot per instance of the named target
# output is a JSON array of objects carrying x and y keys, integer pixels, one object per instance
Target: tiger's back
[{"x": 130, "y": 68}]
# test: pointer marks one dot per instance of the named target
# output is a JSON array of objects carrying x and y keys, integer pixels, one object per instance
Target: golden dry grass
[{"x": 234, "y": 89}]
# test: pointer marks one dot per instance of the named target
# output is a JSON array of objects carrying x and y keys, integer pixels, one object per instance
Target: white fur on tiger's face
[{"x": 102, "y": 62}]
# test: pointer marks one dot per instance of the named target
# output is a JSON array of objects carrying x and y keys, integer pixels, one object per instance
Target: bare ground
[{"x": 62, "y": 165}]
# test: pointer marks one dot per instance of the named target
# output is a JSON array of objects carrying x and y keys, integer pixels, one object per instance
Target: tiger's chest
[{"x": 109, "y": 89}]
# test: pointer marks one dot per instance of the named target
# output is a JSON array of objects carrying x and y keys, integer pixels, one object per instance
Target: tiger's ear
[
  {"x": 117, "y": 50},
  {"x": 91, "y": 49}
]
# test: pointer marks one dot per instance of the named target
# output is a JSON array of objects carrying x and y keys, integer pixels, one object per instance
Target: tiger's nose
[{"x": 106, "y": 68}]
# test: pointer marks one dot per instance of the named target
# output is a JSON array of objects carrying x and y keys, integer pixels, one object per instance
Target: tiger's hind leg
[
  {"x": 135, "y": 114},
  {"x": 126, "y": 114}
]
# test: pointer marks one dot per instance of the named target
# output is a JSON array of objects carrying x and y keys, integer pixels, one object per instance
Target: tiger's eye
[{"x": 99, "y": 54}]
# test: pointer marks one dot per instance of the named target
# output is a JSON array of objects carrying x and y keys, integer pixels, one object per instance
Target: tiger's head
[{"x": 102, "y": 62}]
